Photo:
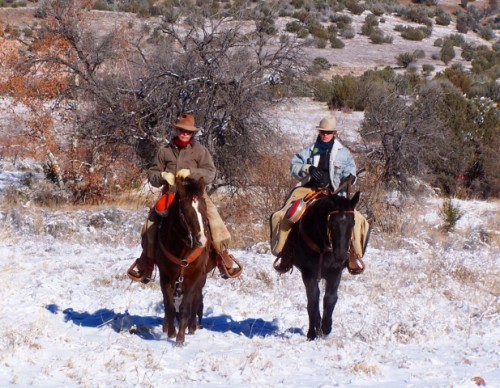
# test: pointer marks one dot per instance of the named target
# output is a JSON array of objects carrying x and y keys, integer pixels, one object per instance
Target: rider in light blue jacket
[
  {"x": 325, "y": 164},
  {"x": 340, "y": 165}
]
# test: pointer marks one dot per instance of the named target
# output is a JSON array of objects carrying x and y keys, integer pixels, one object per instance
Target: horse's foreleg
[
  {"x": 312, "y": 292},
  {"x": 184, "y": 315},
  {"x": 168, "y": 304},
  {"x": 330, "y": 299}
]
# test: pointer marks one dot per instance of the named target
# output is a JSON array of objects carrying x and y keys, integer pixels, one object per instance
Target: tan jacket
[{"x": 194, "y": 157}]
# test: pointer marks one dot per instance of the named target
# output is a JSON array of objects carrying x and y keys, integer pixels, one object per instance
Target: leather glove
[
  {"x": 316, "y": 174},
  {"x": 169, "y": 177},
  {"x": 183, "y": 173}
]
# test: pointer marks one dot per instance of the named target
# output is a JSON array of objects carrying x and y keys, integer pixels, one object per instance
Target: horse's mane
[
  {"x": 334, "y": 202},
  {"x": 190, "y": 187}
]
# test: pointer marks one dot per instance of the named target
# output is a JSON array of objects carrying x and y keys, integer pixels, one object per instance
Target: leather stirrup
[{"x": 225, "y": 266}]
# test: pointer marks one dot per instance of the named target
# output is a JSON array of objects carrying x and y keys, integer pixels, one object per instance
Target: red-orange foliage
[{"x": 40, "y": 81}]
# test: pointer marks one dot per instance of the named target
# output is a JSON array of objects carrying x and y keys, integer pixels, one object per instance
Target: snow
[{"x": 424, "y": 314}]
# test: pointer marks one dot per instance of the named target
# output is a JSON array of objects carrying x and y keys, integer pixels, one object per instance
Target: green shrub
[
  {"x": 378, "y": 9},
  {"x": 456, "y": 40},
  {"x": 336, "y": 43},
  {"x": 487, "y": 33},
  {"x": 348, "y": 32},
  {"x": 450, "y": 214},
  {"x": 447, "y": 52},
  {"x": 321, "y": 63},
  {"x": 417, "y": 15},
  {"x": 369, "y": 25},
  {"x": 405, "y": 59},
  {"x": 427, "y": 68},
  {"x": 294, "y": 26},
  {"x": 443, "y": 18},
  {"x": 419, "y": 54},
  {"x": 332, "y": 30},
  {"x": 354, "y": 7},
  {"x": 320, "y": 42},
  {"x": 377, "y": 37},
  {"x": 318, "y": 31},
  {"x": 412, "y": 34},
  {"x": 459, "y": 78},
  {"x": 468, "y": 51},
  {"x": 303, "y": 33},
  {"x": 101, "y": 5}
]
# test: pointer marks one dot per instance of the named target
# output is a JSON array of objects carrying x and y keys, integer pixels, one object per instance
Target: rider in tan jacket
[{"x": 182, "y": 157}]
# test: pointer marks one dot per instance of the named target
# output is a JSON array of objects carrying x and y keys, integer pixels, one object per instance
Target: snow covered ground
[{"x": 424, "y": 314}]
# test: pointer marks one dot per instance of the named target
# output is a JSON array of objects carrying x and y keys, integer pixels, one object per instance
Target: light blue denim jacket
[{"x": 341, "y": 164}]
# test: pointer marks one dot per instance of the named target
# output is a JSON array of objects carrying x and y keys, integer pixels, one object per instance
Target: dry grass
[
  {"x": 247, "y": 212},
  {"x": 366, "y": 368}
]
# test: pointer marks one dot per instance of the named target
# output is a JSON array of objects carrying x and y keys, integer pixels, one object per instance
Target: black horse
[
  {"x": 319, "y": 246},
  {"x": 184, "y": 258}
]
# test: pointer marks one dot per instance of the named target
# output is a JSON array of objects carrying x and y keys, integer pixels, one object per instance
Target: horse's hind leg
[
  {"x": 312, "y": 292},
  {"x": 330, "y": 299},
  {"x": 200, "y": 313}
]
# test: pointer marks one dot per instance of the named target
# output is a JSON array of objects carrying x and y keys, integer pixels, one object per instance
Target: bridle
[
  {"x": 191, "y": 256},
  {"x": 329, "y": 248},
  {"x": 183, "y": 262}
]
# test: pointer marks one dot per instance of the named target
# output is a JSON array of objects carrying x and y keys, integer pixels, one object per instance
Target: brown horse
[
  {"x": 183, "y": 258},
  {"x": 319, "y": 246}
]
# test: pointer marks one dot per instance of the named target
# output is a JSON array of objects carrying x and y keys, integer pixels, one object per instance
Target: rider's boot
[
  {"x": 355, "y": 264},
  {"x": 142, "y": 269},
  {"x": 284, "y": 261}
]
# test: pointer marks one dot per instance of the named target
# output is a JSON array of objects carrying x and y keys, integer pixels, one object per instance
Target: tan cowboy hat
[
  {"x": 186, "y": 122},
  {"x": 328, "y": 124}
]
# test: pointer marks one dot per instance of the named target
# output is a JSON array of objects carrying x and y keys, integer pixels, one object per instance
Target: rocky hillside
[{"x": 358, "y": 55}]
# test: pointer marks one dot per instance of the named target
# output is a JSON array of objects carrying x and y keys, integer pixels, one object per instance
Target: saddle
[{"x": 283, "y": 262}]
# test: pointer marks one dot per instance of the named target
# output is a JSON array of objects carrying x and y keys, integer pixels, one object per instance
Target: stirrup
[
  {"x": 136, "y": 276},
  {"x": 360, "y": 267},
  {"x": 226, "y": 260}
]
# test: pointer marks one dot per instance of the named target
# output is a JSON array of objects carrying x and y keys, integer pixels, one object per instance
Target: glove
[
  {"x": 169, "y": 177},
  {"x": 316, "y": 174},
  {"x": 183, "y": 173}
]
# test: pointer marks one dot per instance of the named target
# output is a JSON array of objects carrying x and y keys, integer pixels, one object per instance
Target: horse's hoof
[
  {"x": 172, "y": 334},
  {"x": 311, "y": 337},
  {"x": 179, "y": 343}
]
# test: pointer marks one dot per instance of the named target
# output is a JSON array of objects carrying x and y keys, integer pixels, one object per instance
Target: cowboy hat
[
  {"x": 328, "y": 124},
  {"x": 186, "y": 122}
]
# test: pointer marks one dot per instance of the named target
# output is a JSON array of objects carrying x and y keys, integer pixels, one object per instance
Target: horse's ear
[
  {"x": 355, "y": 199},
  {"x": 201, "y": 184}
]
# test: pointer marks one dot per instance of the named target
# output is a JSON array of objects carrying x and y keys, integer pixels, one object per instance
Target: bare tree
[
  {"x": 124, "y": 88},
  {"x": 222, "y": 73},
  {"x": 406, "y": 129}
]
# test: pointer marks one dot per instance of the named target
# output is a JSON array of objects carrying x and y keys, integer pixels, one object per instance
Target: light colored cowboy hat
[
  {"x": 186, "y": 122},
  {"x": 328, "y": 124}
]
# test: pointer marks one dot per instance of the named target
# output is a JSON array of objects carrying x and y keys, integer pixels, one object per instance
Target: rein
[
  {"x": 181, "y": 262},
  {"x": 313, "y": 246}
]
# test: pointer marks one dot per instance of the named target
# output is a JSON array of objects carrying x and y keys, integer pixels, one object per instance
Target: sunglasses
[
  {"x": 184, "y": 131},
  {"x": 327, "y": 132}
]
